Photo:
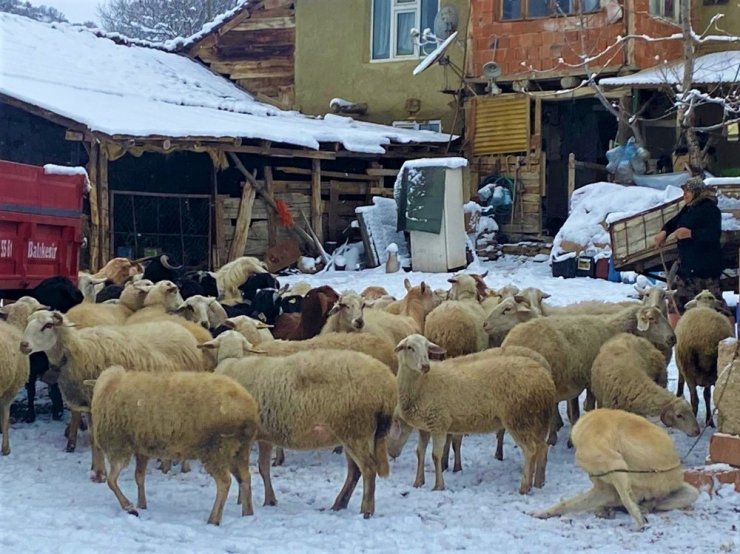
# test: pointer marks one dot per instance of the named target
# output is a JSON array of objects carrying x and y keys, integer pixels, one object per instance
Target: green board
[{"x": 421, "y": 199}]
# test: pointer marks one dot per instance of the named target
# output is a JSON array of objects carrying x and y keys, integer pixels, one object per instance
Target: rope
[{"x": 596, "y": 475}]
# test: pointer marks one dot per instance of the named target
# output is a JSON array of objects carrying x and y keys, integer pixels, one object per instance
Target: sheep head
[
  {"x": 414, "y": 351},
  {"x": 508, "y": 291},
  {"x": 505, "y": 316},
  {"x": 41, "y": 333},
  {"x": 652, "y": 325},
  {"x": 164, "y": 293},
  {"x": 242, "y": 323},
  {"x": 464, "y": 287},
  {"x": 229, "y": 344},
  {"x": 203, "y": 310},
  {"x": 349, "y": 309},
  {"x": 677, "y": 413},
  {"x": 532, "y": 296},
  {"x": 134, "y": 293},
  {"x": 705, "y": 299},
  {"x": 655, "y": 296},
  {"x": 17, "y": 313}
]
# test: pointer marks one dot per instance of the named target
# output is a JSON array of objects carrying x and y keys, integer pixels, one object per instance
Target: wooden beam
[
  {"x": 272, "y": 228},
  {"x": 258, "y": 24},
  {"x": 106, "y": 238},
  {"x": 316, "y": 199},
  {"x": 283, "y": 152},
  {"x": 333, "y": 174},
  {"x": 243, "y": 221},
  {"x": 92, "y": 174}
]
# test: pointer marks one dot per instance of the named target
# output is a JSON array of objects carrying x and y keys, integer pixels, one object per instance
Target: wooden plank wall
[
  {"x": 527, "y": 218},
  {"x": 257, "y": 51}
]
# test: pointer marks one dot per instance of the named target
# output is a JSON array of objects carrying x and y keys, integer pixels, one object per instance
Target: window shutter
[
  {"x": 381, "y": 49},
  {"x": 502, "y": 124}
]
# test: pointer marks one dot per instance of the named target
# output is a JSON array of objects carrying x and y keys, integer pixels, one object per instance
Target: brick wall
[{"x": 540, "y": 42}]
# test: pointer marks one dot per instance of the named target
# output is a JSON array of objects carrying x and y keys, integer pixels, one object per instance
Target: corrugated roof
[{"x": 718, "y": 67}]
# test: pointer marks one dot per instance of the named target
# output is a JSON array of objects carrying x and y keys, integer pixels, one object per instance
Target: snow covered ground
[{"x": 48, "y": 504}]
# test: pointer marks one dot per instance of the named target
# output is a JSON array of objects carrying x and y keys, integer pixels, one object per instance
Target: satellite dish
[
  {"x": 436, "y": 55},
  {"x": 491, "y": 70},
  {"x": 445, "y": 22}
]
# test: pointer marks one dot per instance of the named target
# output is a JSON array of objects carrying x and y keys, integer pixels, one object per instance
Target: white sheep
[
  {"x": 89, "y": 285},
  {"x": 698, "y": 334},
  {"x": 14, "y": 369},
  {"x": 348, "y": 315},
  {"x": 632, "y": 464},
  {"x": 317, "y": 399},
  {"x": 254, "y": 330},
  {"x": 203, "y": 310},
  {"x": 196, "y": 416},
  {"x": 82, "y": 354},
  {"x": 457, "y": 324},
  {"x": 629, "y": 374},
  {"x": 482, "y": 396},
  {"x": 233, "y": 274},
  {"x": 570, "y": 344}
]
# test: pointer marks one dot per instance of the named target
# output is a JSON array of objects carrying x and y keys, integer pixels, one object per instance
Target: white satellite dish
[
  {"x": 436, "y": 55},
  {"x": 445, "y": 22}
]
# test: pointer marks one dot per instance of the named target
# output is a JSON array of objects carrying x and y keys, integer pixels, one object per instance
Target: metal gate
[{"x": 148, "y": 224}]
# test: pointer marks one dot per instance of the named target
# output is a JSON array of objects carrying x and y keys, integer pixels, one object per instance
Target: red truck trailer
[{"x": 40, "y": 225}]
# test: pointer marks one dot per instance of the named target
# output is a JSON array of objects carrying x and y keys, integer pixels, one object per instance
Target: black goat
[
  {"x": 109, "y": 292},
  {"x": 207, "y": 281},
  {"x": 160, "y": 268},
  {"x": 58, "y": 292},
  {"x": 256, "y": 282},
  {"x": 266, "y": 305},
  {"x": 291, "y": 304}
]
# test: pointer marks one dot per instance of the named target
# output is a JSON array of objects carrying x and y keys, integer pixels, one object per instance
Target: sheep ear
[
  {"x": 643, "y": 321},
  {"x": 545, "y": 295},
  {"x": 89, "y": 385},
  {"x": 521, "y": 300},
  {"x": 423, "y": 287},
  {"x": 435, "y": 349},
  {"x": 407, "y": 284},
  {"x": 334, "y": 309},
  {"x": 690, "y": 304},
  {"x": 524, "y": 308},
  {"x": 263, "y": 325},
  {"x": 642, "y": 291},
  {"x": 452, "y": 280},
  {"x": 400, "y": 346},
  {"x": 484, "y": 275},
  {"x": 210, "y": 345},
  {"x": 57, "y": 319},
  {"x": 230, "y": 324},
  {"x": 255, "y": 350}
]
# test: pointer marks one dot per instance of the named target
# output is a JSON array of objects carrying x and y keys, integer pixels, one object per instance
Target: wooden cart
[{"x": 633, "y": 247}]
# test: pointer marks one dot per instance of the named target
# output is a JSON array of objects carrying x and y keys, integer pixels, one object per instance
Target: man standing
[{"x": 698, "y": 230}]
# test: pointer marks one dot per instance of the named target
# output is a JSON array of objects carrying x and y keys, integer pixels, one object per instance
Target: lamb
[
  {"x": 118, "y": 270},
  {"x": 203, "y": 310},
  {"x": 624, "y": 376},
  {"x": 235, "y": 273},
  {"x": 457, "y": 324},
  {"x": 417, "y": 304},
  {"x": 318, "y": 399},
  {"x": 14, "y": 371},
  {"x": 479, "y": 396},
  {"x": 571, "y": 343},
  {"x": 80, "y": 354},
  {"x": 89, "y": 286},
  {"x": 178, "y": 415},
  {"x": 698, "y": 334},
  {"x": 314, "y": 313},
  {"x": 632, "y": 463},
  {"x": 349, "y": 316}
]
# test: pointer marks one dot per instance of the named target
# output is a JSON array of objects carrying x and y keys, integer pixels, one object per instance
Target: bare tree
[
  {"x": 47, "y": 14},
  {"x": 158, "y": 20}
]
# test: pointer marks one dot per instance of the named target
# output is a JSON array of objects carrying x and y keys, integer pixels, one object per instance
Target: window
[
  {"x": 431, "y": 125},
  {"x": 392, "y": 21},
  {"x": 524, "y": 9},
  {"x": 667, "y": 9}
]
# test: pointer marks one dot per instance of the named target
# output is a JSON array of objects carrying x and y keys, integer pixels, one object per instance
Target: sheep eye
[{"x": 47, "y": 326}]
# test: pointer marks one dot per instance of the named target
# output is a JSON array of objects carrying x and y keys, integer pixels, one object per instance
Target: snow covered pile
[
  {"x": 381, "y": 223},
  {"x": 593, "y": 207}
]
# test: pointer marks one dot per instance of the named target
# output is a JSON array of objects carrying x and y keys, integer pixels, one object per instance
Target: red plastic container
[{"x": 40, "y": 225}]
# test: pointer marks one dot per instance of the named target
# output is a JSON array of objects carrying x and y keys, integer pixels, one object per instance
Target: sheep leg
[
  {"x": 553, "y": 436},
  {"x": 72, "y": 428},
  {"x": 353, "y": 476},
  {"x": 500, "y": 444},
  {"x": 223, "y": 483},
  {"x": 679, "y": 388},
  {"x": 694, "y": 395},
  {"x": 115, "y": 470},
  {"x": 57, "y": 404},
  {"x": 621, "y": 483},
  {"x": 279, "y": 457},
  {"x": 240, "y": 470},
  {"x": 185, "y": 466},
  {"x": 421, "y": 452},
  {"x": 574, "y": 412},
  {"x": 708, "y": 405},
  {"x": 590, "y": 402},
  {"x": 541, "y": 464},
  {"x": 165, "y": 466},
  {"x": 596, "y": 499},
  {"x": 31, "y": 398},
  {"x": 438, "y": 443},
  {"x": 529, "y": 452},
  {"x": 5, "y": 425},
  {"x": 364, "y": 460},
  {"x": 446, "y": 453},
  {"x": 140, "y": 478},
  {"x": 263, "y": 462},
  {"x": 456, "y": 447}
]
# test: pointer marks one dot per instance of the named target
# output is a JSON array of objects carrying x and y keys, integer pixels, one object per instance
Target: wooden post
[
  {"x": 92, "y": 173},
  {"x": 316, "y": 199},
  {"x": 243, "y": 220},
  {"x": 219, "y": 227},
  {"x": 106, "y": 239},
  {"x": 571, "y": 176},
  {"x": 272, "y": 228}
]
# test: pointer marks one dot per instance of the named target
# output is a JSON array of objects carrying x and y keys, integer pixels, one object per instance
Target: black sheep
[
  {"x": 109, "y": 292},
  {"x": 58, "y": 292},
  {"x": 256, "y": 282}
]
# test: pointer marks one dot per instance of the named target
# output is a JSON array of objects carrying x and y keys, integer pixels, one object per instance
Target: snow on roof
[
  {"x": 138, "y": 92},
  {"x": 718, "y": 67},
  {"x": 180, "y": 43}
]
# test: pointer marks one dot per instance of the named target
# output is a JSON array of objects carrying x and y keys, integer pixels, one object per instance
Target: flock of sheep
[{"x": 205, "y": 377}]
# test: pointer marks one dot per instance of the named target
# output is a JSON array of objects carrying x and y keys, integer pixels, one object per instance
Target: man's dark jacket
[{"x": 701, "y": 255}]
